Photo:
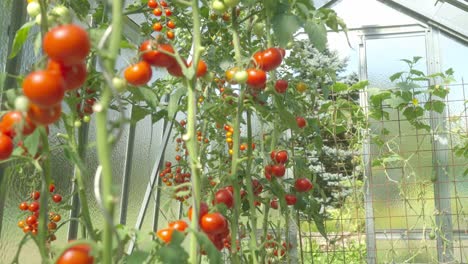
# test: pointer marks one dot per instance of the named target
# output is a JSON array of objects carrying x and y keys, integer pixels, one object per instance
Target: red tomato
[
  {"x": 157, "y": 26},
  {"x": 152, "y": 4},
  {"x": 303, "y": 185},
  {"x": 44, "y": 116},
  {"x": 269, "y": 59},
  {"x": 6, "y": 147},
  {"x": 273, "y": 155},
  {"x": 281, "y": 156},
  {"x": 51, "y": 187},
  {"x": 152, "y": 53},
  {"x": 163, "y": 3},
  {"x": 157, "y": 11},
  {"x": 257, "y": 187},
  {"x": 291, "y": 199},
  {"x": 224, "y": 196},
  {"x": 168, "y": 12},
  {"x": 281, "y": 86},
  {"x": 138, "y": 74},
  {"x": 165, "y": 234},
  {"x": 68, "y": 44},
  {"x": 24, "y": 206},
  {"x": 57, "y": 198},
  {"x": 175, "y": 70},
  {"x": 256, "y": 78},
  {"x": 217, "y": 240},
  {"x": 213, "y": 223},
  {"x": 73, "y": 75},
  {"x": 278, "y": 170},
  {"x": 35, "y": 195},
  {"x": 202, "y": 211},
  {"x": 171, "y": 24},
  {"x": 44, "y": 88},
  {"x": 230, "y": 189},
  {"x": 202, "y": 69},
  {"x": 34, "y": 206},
  {"x": 179, "y": 225},
  {"x": 78, "y": 254},
  {"x": 31, "y": 220},
  {"x": 274, "y": 204},
  {"x": 301, "y": 122},
  {"x": 268, "y": 171},
  {"x": 13, "y": 121},
  {"x": 170, "y": 34}
]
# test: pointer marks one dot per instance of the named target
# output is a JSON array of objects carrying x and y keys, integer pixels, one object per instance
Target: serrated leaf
[
  {"x": 20, "y": 37},
  {"x": 396, "y": 76},
  {"x": 284, "y": 26},
  {"x": 174, "y": 101},
  {"x": 435, "y": 105},
  {"x": 317, "y": 34}
]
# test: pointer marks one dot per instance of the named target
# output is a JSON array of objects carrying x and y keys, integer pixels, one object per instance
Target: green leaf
[
  {"x": 449, "y": 71},
  {"x": 158, "y": 115},
  {"x": 317, "y": 34},
  {"x": 137, "y": 256},
  {"x": 284, "y": 26},
  {"x": 20, "y": 37},
  {"x": 439, "y": 91},
  {"x": 339, "y": 87},
  {"x": 435, "y": 105},
  {"x": 396, "y": 76},
  {"x": 412, "y": 113},
  {"x": 80, "y": 7},
  {"x": 213, "y": 253},
  {"x": 139, "y": 113},
  {"x": 149, "y": 96},
  {"x": 416, "y": 72},
  {"x": 288, "y": 119},
  {"x": 416, "y": 59},
  {"x": 31, "y": 143},
  {"x": 174, "y": 101},
  {"x": 359, "y": 86},
  {"x": 318, "y": 218}
]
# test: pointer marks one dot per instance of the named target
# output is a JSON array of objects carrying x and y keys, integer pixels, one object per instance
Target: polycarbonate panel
[
  {"x": 338, "y": 42},
  {"x": 356, "y": 14}
]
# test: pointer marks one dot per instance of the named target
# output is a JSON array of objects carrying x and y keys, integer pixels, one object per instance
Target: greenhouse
[{"x": 326, "y": 131}]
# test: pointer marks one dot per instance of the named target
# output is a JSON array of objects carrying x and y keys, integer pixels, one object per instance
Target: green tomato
[
  {"x": 231, "y": 3},
  {"x": 218, "y": 6},
  {"x": 62, "y": 13},
  {"x": 241, "y": 76},
  {"x": 86, "y": 118},
  {"x": 50, "y": 19},
  {"x": 33, "y": 9},
  {"x": 21, "y": 103},
  {"x": 259, "y": 29},
  {"x": 77, "y": 123},
  {"x": 119, "y": 84}
]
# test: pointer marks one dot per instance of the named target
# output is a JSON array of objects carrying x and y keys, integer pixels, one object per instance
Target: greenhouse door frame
[{"x": 440, "y": 154}]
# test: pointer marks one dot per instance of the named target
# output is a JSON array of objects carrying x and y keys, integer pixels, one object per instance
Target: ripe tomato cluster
[
  {"x": 274, "y": 248},
  {"x": 31, "y": 223},
  {"x": 158, "y": 12},
  {"x": 12, "y": 124},
  {"x": 214, "y": 225},
  {"x": 225, "y": 195},
  {"x": 277, "y": 167},
  {"x": 165, "y": 234},
  {"x": 67, "y": 47},
  {"x": 176, "y": 175}
]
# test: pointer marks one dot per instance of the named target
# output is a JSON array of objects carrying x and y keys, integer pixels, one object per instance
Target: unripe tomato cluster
[{"x": 30, "y": 223}]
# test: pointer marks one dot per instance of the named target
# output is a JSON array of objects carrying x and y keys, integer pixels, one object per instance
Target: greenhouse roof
[{"x": 450, "y": 16}]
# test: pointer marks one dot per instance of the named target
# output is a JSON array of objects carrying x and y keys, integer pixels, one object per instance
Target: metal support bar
[
  {"x": 368, "y": 199},
  {"x": 75, "y": 203},
  {"x": 154, "y": 178},
  {"x": 124, "y": 193},
  {"x": 463, "y": 5},
  {"x": 442, "y": 195}
]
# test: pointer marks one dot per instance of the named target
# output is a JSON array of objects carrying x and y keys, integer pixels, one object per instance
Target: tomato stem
[
  {"x": 46, "y": 180},
  {"x": 190, "y": 138},
  {"x": 103, "y": 148}
]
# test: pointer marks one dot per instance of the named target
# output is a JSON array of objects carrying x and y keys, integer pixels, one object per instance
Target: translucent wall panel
[
  {"x": 339, "y": 43},
  {"x": 356, "y": 14}
]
